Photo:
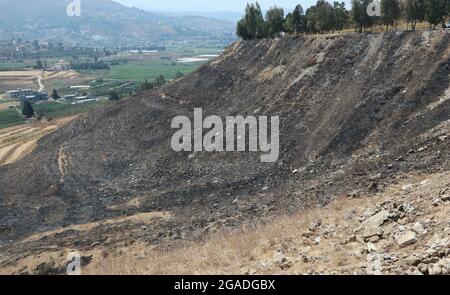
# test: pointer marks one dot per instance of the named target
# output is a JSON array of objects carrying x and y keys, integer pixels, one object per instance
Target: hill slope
[
  {"x": 355, "y": 112},
  {"x": 105, "y": 22}
]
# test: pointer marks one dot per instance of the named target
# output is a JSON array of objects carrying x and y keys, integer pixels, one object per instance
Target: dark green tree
[
  {"x": 324, "y": 16},
  {"x": 241, "y": 30},
  {"x": 146, "y": 85},
  {"x": 310, "y": 20},
  {"x": 274, "y": 21},
  {"x": 160, "y": 81},
  {"x": 114, "y": 96},
  {"x": 287, "y": 26},
  {"x": 36, "y": 44},
  {"x": 359, "y": 15},
  {"x": 341, "y": 15},
  {"x": 27, "y": 109},
  {"x": 39, "y": 64},
  {"x": 55, "y": 94},
  {"x": 415, "y": 11},
  {"x": 252, "y": 26},
  {"x": 390, "y": 12},
  {"x": 296, "y": 21},
  {"x": 179, "y": 74},
  {"x": 436, "y": 12}
]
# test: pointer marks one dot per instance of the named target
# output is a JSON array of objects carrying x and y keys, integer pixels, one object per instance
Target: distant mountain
[
  {"x": 228, "y": 16},
  {"x": 105, "y": 22}
]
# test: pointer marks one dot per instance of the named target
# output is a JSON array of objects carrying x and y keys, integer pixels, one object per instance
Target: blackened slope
[{"x": 349, "y": 106}]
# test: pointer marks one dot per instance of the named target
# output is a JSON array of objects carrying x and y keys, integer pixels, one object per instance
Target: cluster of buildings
[
  {"x": 60, "y": 66},
  {"x": 36, "y": 96},
  {"x": 27, "y": 94},
  {"x": 76, "y": 99}
]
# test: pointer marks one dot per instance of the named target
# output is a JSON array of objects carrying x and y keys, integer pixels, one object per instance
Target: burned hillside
[{"x": 355, "y": 111}]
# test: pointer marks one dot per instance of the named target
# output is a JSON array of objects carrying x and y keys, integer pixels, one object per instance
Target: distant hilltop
[{"x": 106, "y": 23}]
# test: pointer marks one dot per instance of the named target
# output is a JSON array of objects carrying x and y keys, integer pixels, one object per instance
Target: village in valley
[
  {"x": 57, "y": 77},
  {"x": 44, "y": 85}
]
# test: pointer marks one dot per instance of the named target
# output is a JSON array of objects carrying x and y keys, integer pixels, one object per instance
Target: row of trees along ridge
[{"x": 325, "y": 17}]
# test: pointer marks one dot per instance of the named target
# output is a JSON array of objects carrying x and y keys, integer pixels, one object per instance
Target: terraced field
[
  {"x": 16, "y": 142},
  {"x": 6, "y": 103}
]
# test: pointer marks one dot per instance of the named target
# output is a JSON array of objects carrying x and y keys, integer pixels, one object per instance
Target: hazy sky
[{"x": 212, "y": 5}]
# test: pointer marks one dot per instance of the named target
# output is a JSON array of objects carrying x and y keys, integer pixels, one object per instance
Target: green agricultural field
[
  {"x": 150, "y": 70},
  {"x": 191, "y": 52},
  {"x": 9, "y": 118},
  {"x": 51, "y": 110},
  {"x": 14, "y": 66},
  {"x": 54, "y": 110}
]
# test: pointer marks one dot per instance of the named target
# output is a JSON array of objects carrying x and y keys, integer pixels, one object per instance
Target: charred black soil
[{"x": 355, "y": 111}]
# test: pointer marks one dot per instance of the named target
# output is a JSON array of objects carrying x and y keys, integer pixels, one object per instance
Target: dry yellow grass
[
  {"x": 60, "y": 75},
  {"x": 253, "y": 249},
  {"x": 269, "y": 73},
  {"x": 6, "y": 105},
  {"x": 402, "y": 26},
  {"x": 20, "y": 74},
  {"x": 229, "y": 252},
  {"x": 238, "y": 251},
  {"x": 17, "y": 142}
]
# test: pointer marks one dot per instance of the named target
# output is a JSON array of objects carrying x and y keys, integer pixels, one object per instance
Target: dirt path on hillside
[
  {"x": 41, "y": 86},
  {"x": 63, "y": 162}
]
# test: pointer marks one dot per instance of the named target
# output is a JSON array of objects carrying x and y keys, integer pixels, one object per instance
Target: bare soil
[{"x": 356, "y": 111}]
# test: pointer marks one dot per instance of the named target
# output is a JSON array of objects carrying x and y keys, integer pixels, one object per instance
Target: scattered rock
[
  {"x": 413, "y": 260},
  {"x": 368, "y": 213},
  {"x": 377, "y": 219},
  {"x": 406, "y": 239},
  {"x": 371, "y": 232},
  {"x": 248, "y": 271},
  {"x": 445, "y": 198},
  {"x": 418, "y": 228},
  {"x": 371, "y": 247},
  {"x": 317, "y": 240},
  {"x": 442, "y": 267},
  {"x": 282, "y": 261},
  {"x": 94, "y": 244},
  {"x": 374, "y": 239},
  {"x": 353, "y": 194},
  {"x": 437, "y": 202},
  {"x": 351, "y": 239},
  {"x": 400, "y": 159},
  {"x": 351, "y": 214},
  {"x": 443, "y": 138},
  {"x": 313, "y": 226},
  {"x": 422, "y": 149}
]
